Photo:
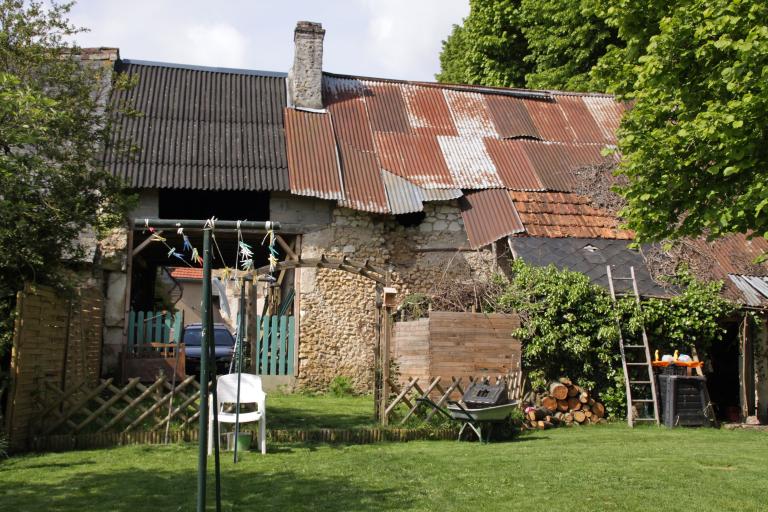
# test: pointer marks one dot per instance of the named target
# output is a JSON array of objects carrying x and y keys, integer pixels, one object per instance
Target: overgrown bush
[
  {"x": 340, "y": 386},
  {"x": 569, "y": 327}
]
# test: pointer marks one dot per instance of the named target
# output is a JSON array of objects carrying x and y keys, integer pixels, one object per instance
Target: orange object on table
[{"x": 685, "y": 364}]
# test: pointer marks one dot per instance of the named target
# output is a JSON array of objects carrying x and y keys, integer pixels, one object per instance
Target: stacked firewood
[{"x": 563, "y": 403}]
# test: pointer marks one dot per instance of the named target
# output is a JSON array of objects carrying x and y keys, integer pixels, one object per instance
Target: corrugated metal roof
[
  {"x": 438, "y": 136},
  {"x": 469, "y": 162},
  {"x": 753, "y": 288},
  {"x": 489, "y": 215},
  {"x": 363, "y": 187},
  {"x": 402, "y": 195},
  {"x": 436, "y": 194},
  {"x": 200, "y": 128},
  {"x": 312, "y": 155}
]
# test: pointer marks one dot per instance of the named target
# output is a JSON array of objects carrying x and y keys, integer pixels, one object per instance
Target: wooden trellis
[
  {"x": 108, "y": 408},
  {"x": 440, "y": 390}
]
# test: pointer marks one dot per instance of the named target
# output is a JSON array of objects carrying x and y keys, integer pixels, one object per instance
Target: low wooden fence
[
  {"x": 109, "y": 409},
  {"x": 404, "y": 407}
]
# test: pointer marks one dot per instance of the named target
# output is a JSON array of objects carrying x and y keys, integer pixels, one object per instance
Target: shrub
[{"x": 340, "y": 386}]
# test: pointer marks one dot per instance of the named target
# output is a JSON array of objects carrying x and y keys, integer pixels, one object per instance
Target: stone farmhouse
[{"x": 433, "y": 182}]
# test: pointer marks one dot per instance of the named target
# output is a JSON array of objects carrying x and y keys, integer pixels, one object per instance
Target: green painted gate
[
  {"x": 146, "y": 327},
  {"x": 274, "y": 345}
]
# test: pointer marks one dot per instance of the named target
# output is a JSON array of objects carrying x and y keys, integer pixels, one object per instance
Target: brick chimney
[{"x": 306, "y": 75}]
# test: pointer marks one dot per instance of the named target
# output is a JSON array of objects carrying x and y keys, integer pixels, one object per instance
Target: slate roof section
[
  {"x": 201, "y": 128},
  {"x": 589, "y": 256}
]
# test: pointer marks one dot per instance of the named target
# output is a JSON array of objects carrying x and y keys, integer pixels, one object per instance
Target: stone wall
[{"x": 336, "y": 325}]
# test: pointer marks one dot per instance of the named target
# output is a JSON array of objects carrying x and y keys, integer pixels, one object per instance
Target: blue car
[{"x": 225, "y": 347}]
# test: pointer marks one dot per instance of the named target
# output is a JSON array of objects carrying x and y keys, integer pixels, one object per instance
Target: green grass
[
  {"x": 599, "y": 468},
  {"x": 299, "y": 411}
]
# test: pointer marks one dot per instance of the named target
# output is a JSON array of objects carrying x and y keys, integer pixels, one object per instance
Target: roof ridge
[
  {"x": 210, "y": 69},
  {"x": 521, "y": 91}
]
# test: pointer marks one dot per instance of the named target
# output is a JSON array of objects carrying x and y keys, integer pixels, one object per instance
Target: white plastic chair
[{"x": 250, "y": 393}]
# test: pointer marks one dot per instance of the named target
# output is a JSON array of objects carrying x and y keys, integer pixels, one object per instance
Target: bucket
[{"x": 243, "y": 441}]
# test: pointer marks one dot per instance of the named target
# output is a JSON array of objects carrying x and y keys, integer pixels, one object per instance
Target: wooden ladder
[{"x": 637, "y": 381}]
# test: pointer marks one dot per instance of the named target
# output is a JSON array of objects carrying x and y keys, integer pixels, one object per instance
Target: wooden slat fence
[
  {"x": 274, "y": 348},
  {"x": 404, "y": 407}
]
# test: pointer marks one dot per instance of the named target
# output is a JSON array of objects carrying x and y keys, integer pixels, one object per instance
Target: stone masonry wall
[{"x": 336, "y": 329}]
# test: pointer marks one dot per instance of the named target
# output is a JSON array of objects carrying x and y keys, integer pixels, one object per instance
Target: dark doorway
[
  {"x": 204, "y": 204},
  {"x": 723, "y": 375}
]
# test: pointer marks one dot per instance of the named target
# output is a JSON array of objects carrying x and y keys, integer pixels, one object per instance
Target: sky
[{"x": 378, "y": 38}]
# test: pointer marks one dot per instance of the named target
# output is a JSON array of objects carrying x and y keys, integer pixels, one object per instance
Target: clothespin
[
  {"x": 245, "y": 250},
  {"x": 210, "y": 223},
  {"x": 247, "y": 264},
  {"x": 148, "y": 227},
  {"x": 157, "y": 238},
  {"x": 196, "y": 257},
  {"x": 172, "y": 252},
  {"x": 187, "y": 244}
]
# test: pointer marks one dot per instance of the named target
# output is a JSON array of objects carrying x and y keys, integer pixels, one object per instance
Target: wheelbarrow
[{"x": 476, "y": 419}]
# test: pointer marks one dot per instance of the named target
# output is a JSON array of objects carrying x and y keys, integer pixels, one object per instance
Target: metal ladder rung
[
  {"x": 638, "y": 364},
  {"x": 644, "y": 400},
  {"x": 639, "y": 382},
  {"x": 634, "y": 346},
  {"x": 645, "y": 419}
]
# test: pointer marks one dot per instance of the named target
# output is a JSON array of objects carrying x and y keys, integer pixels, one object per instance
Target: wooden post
[{"x": 378, "y": 405}]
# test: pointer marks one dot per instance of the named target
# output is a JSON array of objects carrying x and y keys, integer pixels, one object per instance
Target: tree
[
  {"x": 53, "y": 113},
  {"x": 488, "y": 48},
  {"x": 550, "y": 44},
  {"x": 565, "y": 40},
  {"x": 695, "y": 143}
]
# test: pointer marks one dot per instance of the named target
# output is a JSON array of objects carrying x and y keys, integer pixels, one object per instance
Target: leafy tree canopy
[
  {"x": 52, "y": 128},
  {"x": 694, "y": 144}
]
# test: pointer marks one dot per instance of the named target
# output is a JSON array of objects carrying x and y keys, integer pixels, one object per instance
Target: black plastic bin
[{"x": 684, "y": 401}]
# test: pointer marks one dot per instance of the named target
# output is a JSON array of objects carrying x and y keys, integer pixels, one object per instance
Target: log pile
[{"x": 563, "y": 403}]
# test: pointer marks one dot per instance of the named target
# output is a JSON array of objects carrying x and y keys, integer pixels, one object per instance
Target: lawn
[
  {"x": 297, "y": 411},
  {"x": 590, "y": 468}
]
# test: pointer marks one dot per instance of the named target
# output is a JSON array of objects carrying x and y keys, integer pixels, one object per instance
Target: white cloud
[
  {"x": 406, "y": 35},
  {"x": 384, "y": 38},
  {"x": 219, "y": 45}
]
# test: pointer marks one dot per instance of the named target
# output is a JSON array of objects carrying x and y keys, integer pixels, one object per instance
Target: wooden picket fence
[
  {"x": 108, "y": 408},
  {"x": 404, "y": 407},
  {"x": 152, "y": 327}
]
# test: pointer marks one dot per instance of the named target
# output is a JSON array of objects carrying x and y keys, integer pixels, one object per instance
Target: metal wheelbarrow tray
[{"x": 475, "y": 418}]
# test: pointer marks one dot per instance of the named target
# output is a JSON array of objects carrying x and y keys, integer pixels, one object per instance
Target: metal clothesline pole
[{"x": 207, "y": 226}]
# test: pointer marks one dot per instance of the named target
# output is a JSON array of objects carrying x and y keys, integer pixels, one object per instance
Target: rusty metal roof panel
[
  {"x": 510, "y": 117},
  {"x": 386, "y": 108},
  {"x": 440, "y": 194},
  {"x": 489, "y": 215},
  {"x": 313, "y": 164},
  {"x": 402, "y": 195},
  {"x": 580, "y": 119},
  {"x": 607, "y": 113},
  {"x": 554, "y": 163},
  {"x": 513, "y": 165},
  {"x": 469, "y": 162},
  {"x": 550, "y": 121},
  {"x": 470, "y": 114},
  {"x": 363, "y": 186},
  {"x": 417, "y": 158},
  {"x": 427, "y": 110}
]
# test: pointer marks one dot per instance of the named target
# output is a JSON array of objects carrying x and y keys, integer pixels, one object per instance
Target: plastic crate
[{"x": 684, "y": 401}]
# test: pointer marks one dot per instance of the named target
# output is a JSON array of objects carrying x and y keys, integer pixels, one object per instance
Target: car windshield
[{"x": 221, "y": 336}]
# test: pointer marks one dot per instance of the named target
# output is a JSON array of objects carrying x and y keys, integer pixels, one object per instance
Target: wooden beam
[
  {"x": 145, "y": 243},
  {"x": 284, "y": 246}
]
